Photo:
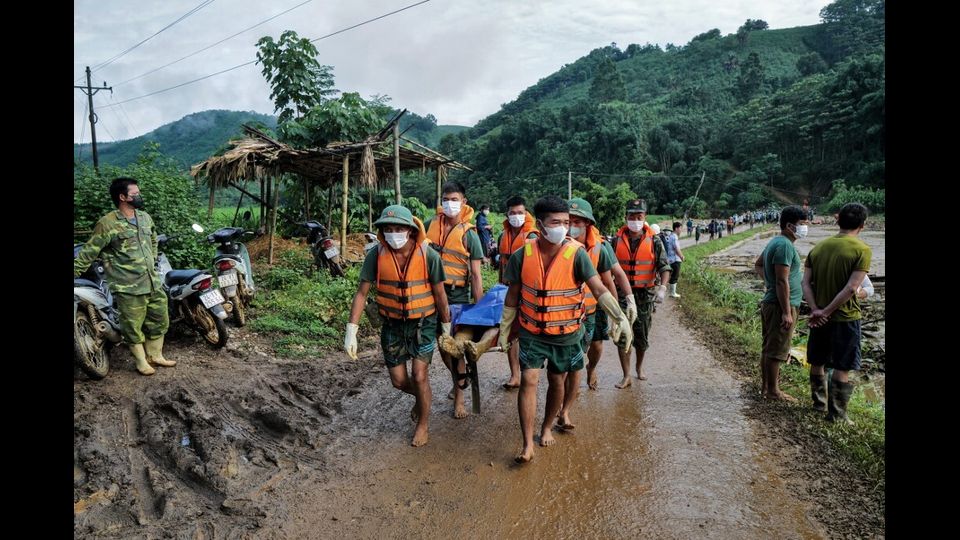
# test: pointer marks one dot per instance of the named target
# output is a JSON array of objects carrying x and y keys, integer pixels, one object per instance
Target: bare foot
[
  {"x": 459, "y": 411},
  {"x": 451, "y": 346},
  {"x": 641, "y": 376},
  {"x": 564, "y": 423},
  {"x": 547, "y": 439},
  {"x": 625, "y": 383},
  {"x": 470, "y": 351},
  {"x": 780, "y": 396},
  {"x": 420, "y": 436},
  {"x": 525, "y": 455},
  {"x": 593, "y": 381}
]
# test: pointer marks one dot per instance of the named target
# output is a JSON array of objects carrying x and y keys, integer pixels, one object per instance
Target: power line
[
  {"x": 83, "y": 128},
  {"x": 238, "y": 66},
  {"x": 202, "y": 5},
  {"x": 130, "y": 122},
  {"x": 214, "y": 44}
]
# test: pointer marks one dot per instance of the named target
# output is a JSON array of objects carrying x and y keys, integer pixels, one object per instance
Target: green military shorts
[
  {"x": 601, "y": 326},
  {"x": 559, "y": 358},
  {"x": 641, "y": 326},
  {"x": 413, "y": 339}
]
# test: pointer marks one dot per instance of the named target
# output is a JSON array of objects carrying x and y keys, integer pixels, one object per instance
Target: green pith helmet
[{"x": 580, "y": 207}]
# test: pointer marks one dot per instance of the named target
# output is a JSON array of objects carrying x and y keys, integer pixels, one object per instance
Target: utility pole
[
  {"x": 569, "y": 185},
  {"x": 89, "y": 91},
  {"x": 686, "y": 214}
]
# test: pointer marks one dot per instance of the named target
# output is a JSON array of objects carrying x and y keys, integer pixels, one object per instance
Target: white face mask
[
  {"x": 635, "y": 226},
  {"x": 517, "y": 220},
  {"x": 451, "y": 208},
  {"x": 486, "y": 212},
  {"x": 802, "y": 231},
  {"x": 396, "y": 240},
  {"x": 555, "y": 235},
  {"x": 575, "y": 232}
]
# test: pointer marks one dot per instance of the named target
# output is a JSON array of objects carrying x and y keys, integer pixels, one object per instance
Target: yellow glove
[
  {"x": 350, "y": 341},
  {"x": 506, "y": 321},
  {"x": 631, "y": 308},
  {"x": 622, "y": 327},
  {"x": 445, "y": 326}
]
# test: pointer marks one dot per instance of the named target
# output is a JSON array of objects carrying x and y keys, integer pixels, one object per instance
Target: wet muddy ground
[{"x": 237, "y": 444}]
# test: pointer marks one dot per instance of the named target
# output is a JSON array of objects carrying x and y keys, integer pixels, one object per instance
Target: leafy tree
[
  {"x": 608, "y": 83},
  {"x": 810, "y": 64},
  {"x": 297, "y": 80}
]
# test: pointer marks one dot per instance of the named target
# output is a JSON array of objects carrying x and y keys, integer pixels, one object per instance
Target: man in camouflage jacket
[{"x": 127, "y": 241}]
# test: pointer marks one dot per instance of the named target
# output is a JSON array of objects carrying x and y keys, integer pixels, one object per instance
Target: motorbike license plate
[
  {"x": 211, "y": 298},
  {"x": 228, "y": 279},
  {"x": 332, "y": 252}
]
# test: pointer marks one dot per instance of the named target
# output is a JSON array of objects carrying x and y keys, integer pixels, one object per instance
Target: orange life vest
[
  {"x": 452, "y": 248},
  {"x": 551, "y": 301},
  {"x": 593, "y": 246},
  {"x": 639, "y": 265},
  {"x": 407, "y": 293},
  {"x": 509, "y": 242}
]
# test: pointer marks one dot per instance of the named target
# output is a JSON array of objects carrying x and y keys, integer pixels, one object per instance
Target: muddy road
[{"x": 238, "y": 444}]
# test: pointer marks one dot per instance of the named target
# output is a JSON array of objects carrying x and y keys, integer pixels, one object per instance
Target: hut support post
[
  {"x": 396, "y": 159},
  {"x": 344, "y": 202}
]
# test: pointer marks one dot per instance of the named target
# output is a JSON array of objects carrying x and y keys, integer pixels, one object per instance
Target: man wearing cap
[
  {"x": 546, "y": 279},
  {"x": 518, "y": 228},
  {"x": 453, "y": 235},
  {"x": 407, "y": 275},
  {"x": 642, "y": 257},
  {"x": 582, "y": 230}
]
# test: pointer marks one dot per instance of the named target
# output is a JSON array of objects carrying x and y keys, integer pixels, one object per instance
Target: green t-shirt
[
  {"x": 368, "y": 272},
  {"x": 461, "y": 295},
  {"x": 780, "y": 250},
  {"x": 582, "y": 271},
  {"x": 607, "y": 258},
  {"x": 831, "y": 262}
]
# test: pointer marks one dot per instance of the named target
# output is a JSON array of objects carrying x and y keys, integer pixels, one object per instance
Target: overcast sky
[{"x": 456, "y": 59}]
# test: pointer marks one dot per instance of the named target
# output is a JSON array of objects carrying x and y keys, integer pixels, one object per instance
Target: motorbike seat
[
  {"x": 227, "y": 234},
  {"x": 179, "y": 277}
]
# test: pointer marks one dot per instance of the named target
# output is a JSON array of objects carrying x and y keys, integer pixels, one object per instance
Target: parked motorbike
[
  {"x": 191, "y": 298},
  {"x": 324, "y": 249},
  {"x": 96, "y": 320},
  {"x": 234, "y": 272}
]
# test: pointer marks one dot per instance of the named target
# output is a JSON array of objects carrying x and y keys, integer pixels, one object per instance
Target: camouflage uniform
[
  {"x": 129, "y": 254},
  {"x": 645, "y": 299}
]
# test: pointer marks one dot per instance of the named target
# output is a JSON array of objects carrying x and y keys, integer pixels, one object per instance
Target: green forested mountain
[
  {"x": 197, "y": 136},
  {"x": 767, "y": 115}
]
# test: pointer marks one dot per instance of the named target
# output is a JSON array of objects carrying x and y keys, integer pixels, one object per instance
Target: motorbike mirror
[{"x": 197, "y": 228}]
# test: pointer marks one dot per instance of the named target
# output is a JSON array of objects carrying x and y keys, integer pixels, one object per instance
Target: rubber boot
[
  {"x": 154, "y": 348},
  {"x": 840, "y": 393},
  {"x": 673, "y": 291},
  {"x": 141, "y": 359},
  {"x": 818, "y": 391}
]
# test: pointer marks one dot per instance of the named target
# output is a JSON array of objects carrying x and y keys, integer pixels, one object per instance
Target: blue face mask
[{"x": 575, "y": 232}]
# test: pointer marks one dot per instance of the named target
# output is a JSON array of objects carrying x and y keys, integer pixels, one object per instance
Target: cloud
[{"x": 454, "y": 59}]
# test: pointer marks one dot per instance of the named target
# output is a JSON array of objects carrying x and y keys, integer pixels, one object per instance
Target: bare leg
[
  {"x": 640, "y": 355},
  {"x": 527, "y": 407},
  {"x": 400, "y": 379},
  {"x": 571, "y": 389},
  {"x": 459, "y": 410},
  {"x": 593, "y": 358},
  {"x": 625, "y": 366},
  {"x": 473, "y": 350},
  {"x": 513, "y": 355},
  {"x": 773, "y": 386},
  {"x": 421, "y": 385},
  {"x": 764, "y": 378},
  {"x": 555, "y": 393}
]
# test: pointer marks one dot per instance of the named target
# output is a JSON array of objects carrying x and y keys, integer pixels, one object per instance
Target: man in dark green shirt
[
  {"x": 407, "y": 275},
  {"x": 551, "y": 273},
  {"x": 834, "y": 270},
  {"x": 127, "y": 241},
  {"x": 779, "y": 264},
  {"x": 453, "y": 235}
]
